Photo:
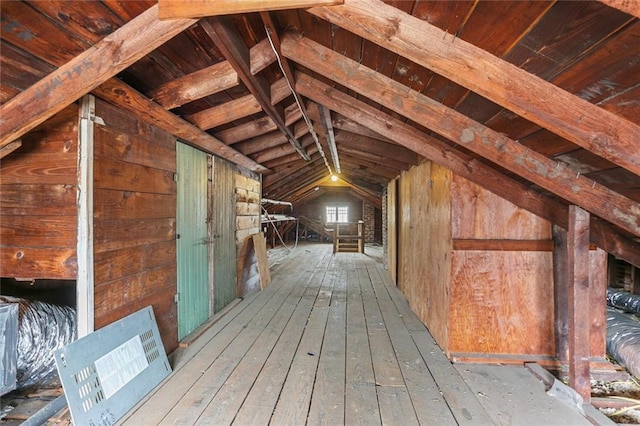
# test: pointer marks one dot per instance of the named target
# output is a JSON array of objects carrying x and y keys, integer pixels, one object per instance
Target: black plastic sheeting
[
  {"x": 42, "y": 328},
  {"x": 623, "y": 340},
  {"x": 623, "y": 300}
]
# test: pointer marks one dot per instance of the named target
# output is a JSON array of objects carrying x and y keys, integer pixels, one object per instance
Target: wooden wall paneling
[
  {"x": 392, "y": 230},
  {"x": 419, "y": 258},
  {"x": 438, "y": 186},
  {"x": 579, "y": 320},
  {"x": 404, "y": 233},
  {"x": 113, "y": 234},
  {"x": 134, "y": 220},
  {"x": 501, "y": 304},
  {"x": 38, "y": 202},
  {"x": 481, "y": 214},
  {"x": 248, "y": 190},
  {"x": 28, "y": 263}
]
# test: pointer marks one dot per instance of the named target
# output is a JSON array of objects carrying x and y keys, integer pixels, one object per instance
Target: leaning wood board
[{"x": 260, "y": 246}]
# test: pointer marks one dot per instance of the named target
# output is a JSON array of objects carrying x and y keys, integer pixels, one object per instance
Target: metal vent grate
[{"x": 107, "y": 372}]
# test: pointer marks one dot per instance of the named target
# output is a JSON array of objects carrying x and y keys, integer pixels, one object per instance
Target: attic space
[{"x": 482, "y": 157}]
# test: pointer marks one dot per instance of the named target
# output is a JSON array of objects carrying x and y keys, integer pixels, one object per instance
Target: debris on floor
[{"x": 620, "y": 400}]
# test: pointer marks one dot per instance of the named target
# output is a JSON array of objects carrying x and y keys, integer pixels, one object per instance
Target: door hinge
[
  {"x": 175, "y": 177},
  {"x": 176, "y": 298}
]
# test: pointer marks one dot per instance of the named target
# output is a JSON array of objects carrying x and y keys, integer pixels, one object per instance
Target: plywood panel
[
  {"x": 404, "y": 232},
  {"x": 440, "y": 254},
  {"x": 502, "y": 303},
  {"x": 480, "y": 214}
]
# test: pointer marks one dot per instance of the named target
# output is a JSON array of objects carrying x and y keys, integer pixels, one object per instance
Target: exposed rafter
[
  {"x": 171, "y": 9},
  {"x": 463, "y": 164},
  {"x": 533, "y": 98},
  {"x": 120, "y": 94},
  {"x": 226, "y": 37},
  {"x": 632, "y": 7},
  {"x": 274, "y": 40},
  {"x": 496, "y": 147},
  {"x": 85, "y": 72},
  {"x": 325, "y": 119}
]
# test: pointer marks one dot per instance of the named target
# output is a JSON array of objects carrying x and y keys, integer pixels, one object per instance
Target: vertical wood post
[
  {"x": 85, "y": 277},
  {"x": 635, "y": 280},
  {"x": 561, "y": 296},
  {"x": 579, "y": 318}
]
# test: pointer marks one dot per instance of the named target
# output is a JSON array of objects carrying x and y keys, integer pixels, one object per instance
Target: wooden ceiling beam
[
  {"x": 464, "y": 165},
  {"x": 233, "y": 110},
  {"x": 210, "y": 80},
  {"x": 286, "y": 160},
  {"x": 382, "y": 149},
  {"x": 172, "y": 9},
  {"x": 583, "y": 123},
  {"x": 281, "y": 150},
  {"x": 85, "y": 72},
  {"x": 296, "y": 175},
  {"x": 225, "y": 113},
  {"x": 229, "y": 41},
  {"x": 632, "y": 7},
  {"x": 261, "y": 143},
  {"x": 120, "y": 94},
  {"x": 552, "y": 175},
  {"x": 325, "y": 120},
  {"x": 258, "y": 127},
  {"x": 10, "y": 147},
  {"x": 365, "y": 155}
]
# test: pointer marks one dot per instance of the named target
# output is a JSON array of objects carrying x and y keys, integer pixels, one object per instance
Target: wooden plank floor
[{"x": 329, "y": 342}]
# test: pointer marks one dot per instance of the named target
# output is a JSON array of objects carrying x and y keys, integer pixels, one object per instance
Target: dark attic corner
[{"x": 319, "y": 212}]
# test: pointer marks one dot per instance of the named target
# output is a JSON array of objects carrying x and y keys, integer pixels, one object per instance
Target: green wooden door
[
  {"x": 224, "y": 234},
  {"x": 193, "y": 275}
]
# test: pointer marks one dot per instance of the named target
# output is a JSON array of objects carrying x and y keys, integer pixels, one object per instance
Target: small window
[{"x": 337, "y": 214}]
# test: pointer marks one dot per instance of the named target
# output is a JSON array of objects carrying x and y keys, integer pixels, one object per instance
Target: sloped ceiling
[{"x": 537, "y": 101}]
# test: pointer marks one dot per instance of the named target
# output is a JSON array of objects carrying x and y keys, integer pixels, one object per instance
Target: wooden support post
[
  {"x": 336, "y": 236},
  {"x": 561, "y": 296},
  {"x": 361, "y": 236},
  {"x": 578, "y": 297},
  {"x": 635, "y": 280}
]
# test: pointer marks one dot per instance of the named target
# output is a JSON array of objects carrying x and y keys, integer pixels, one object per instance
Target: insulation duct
[{"x": 623, "y": 340}]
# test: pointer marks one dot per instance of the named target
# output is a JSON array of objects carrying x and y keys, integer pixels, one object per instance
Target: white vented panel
[{"x": 107, "y": 372}]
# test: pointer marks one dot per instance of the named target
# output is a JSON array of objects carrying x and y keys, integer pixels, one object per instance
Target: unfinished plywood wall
[
  {"x": 38, "y": 207},
  {"x": 134, "y": 220},
  {"x": 478, "y": 270},
  {"x": 424, "y": 242},
  {"x": 502, "y": 276},
  {"x": 248, "y": 189}
]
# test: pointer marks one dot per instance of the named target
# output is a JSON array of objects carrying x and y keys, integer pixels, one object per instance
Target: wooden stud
[
  {"x": 172, "y": 9},
  {"x": 579, "y": 320},
  {"x": 593, "y": 128},
  {"x": 85, "y": 245},
  {"x": 85, "y": 72},
  {"x": 494, "y": 146},
  {"x": 228, "y": 40}
]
